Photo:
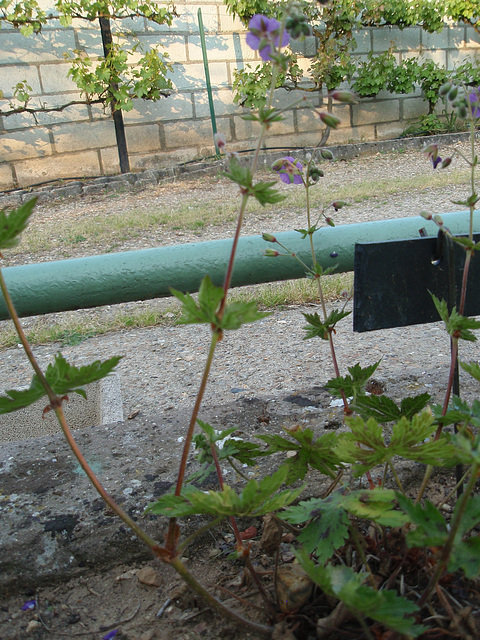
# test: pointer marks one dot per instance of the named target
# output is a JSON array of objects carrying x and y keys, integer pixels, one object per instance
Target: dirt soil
[{"x": 257, "y": 386}]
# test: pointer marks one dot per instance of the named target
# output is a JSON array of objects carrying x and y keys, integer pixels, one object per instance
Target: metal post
[{"x": 207, "y": 78}]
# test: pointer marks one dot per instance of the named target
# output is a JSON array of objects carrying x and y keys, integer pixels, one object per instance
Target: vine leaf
[
  {"x": 384, "y": 606},
  {"x": 62, "y": 377},
  {"x": 12, "y": 224},
  {"x": 257, "y": 498}
]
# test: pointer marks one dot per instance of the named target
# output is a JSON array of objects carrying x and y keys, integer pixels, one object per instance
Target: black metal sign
[{"x": 393, "y": 281}]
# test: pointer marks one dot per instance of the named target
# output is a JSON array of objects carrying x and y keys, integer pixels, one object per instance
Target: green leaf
[
  {"x": 383, "y": 606},
  {"x": 353, "y": 384},
  {"x": 430, "y": 526},
  {"x": 318, "y": 328},
  {"x": 466, "y": 556},
  {"x": 238, "y": 313},
  {"x": 209, "y": 298},
  {"x": 239, "y": 174},
  {"x": 257, "y": 498},
  {"x": 365, "y": 446},
  {"x": 328, "y": 528},
  {"x": 205, "y": 310},
  {"x": 63, "y": 378},
  {"x": 12, "y": 224},
  {"x": 318, "y": 454},
  {"x": 377, "y": 504},
  {"x": 457, "y": 326},
  {"x": 473, "y": 368},
  {"x": 458, "y": 413},
  {"x": 264, "y": 194}
]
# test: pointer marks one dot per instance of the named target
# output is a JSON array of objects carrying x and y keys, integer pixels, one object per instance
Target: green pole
[
  {"x": 82, "y": 283},
  {"x": 207, "y": 78}
]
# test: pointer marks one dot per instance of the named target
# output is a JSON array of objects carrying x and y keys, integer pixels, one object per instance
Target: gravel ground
[{"x": 161, "y": 366}]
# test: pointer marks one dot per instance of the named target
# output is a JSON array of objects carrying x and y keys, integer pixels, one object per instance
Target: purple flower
[
  {"x": 264, "y": 35},
  {"x": 289, "y": 171},
  {"x": 110, "y": 635},
  {"x": 474, "y": 99},
  {"x": 436, "y": 161},
  {"x": 29, "y": 604}
]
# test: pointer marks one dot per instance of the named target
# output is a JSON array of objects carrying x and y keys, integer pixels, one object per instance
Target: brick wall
[{"x": 80, "y": 141}]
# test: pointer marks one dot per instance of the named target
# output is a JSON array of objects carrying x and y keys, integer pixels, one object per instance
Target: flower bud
[
  {"x": 338, "y": 204},
  {"x": 268, "y": 237},
  {"x": 270, "y": 253},
  {"x": 462, "y": 111},
  {"x": 330, "y": 222},
  {"x": 444, "y": 89},
  {"x": 446, "y": 162},
  {"x": 329, "y": 119},
  {"x": 326, "y": 154},
  {"x": 431, "y": 151},
  {"x": 220, "y": 140},
  {"x": 343, "y": 96},
  {"x": 315, "y": 174},
  {"x": 426, "y": 215},
  {"x": 438, "y": 219},
  {"x": 453, "y": 93}
]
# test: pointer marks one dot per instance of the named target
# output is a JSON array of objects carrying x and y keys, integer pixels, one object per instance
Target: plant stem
[
  {"x": 454, "y": 527},
  {"x": 216, "y": 604},
  {"x": 56, "y": 404}
]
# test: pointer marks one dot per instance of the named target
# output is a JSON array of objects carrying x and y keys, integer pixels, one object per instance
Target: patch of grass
[
  {"x": 198, "y": 213},
  {"x": 77, "y": 328},
  {"x": 294, "y": 292}
]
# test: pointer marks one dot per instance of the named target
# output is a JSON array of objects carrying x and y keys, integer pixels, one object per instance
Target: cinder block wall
[{"x": 80, "y": 140}]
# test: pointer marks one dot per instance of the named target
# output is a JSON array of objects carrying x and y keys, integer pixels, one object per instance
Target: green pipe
[{"x": 79, "y": 283}]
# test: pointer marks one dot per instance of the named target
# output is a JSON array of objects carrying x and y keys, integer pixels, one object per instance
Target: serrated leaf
[
  {"x": 328, "y": 528},
  {"x": 458, "y": 413},
  {"x": 203, "y": 311},
  {"x": 237, "y": 314},
  {"x": 457, "y": 325},
  {"x": 430, "y": 525},
  {"x": 63, "y": 378},
  {"x": 383, "y": 606},
  {"x": 318, "y": 328},
  {"x": 12, "y": 224},
  {"x": 414, "y": 404},
  {"x": 239, "y": 174},
  {"x": 466, "y": 556},
  {"x": 381, "y": 408},
  {"x": 257, "y": 498},
  {"x": 318, "y": 454},
  {"x": 366, "y": 447},
  {"x": 467, "y": 451},
  {"x": 265, "y": 194},
  {"x": 473, "y": 368},
  {"x": 377, "y": 504},
  {"x": 354, "y": 384}
]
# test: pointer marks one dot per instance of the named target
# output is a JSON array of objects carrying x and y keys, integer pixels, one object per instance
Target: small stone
[
  {"x": 148, "y": 576},
  {"x": 33, "y": 625}
]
